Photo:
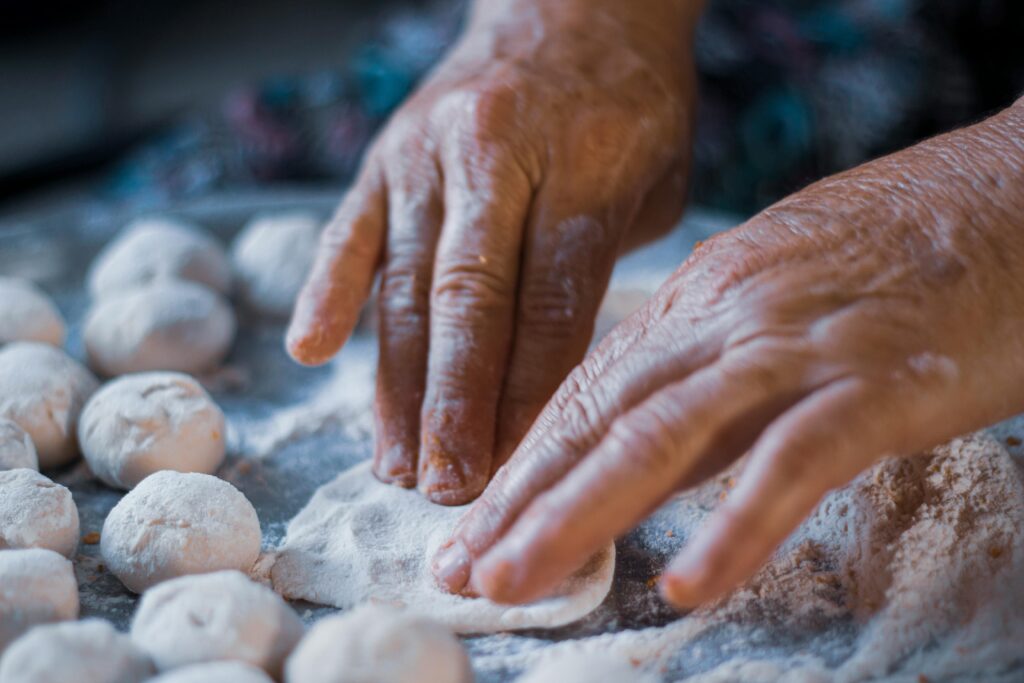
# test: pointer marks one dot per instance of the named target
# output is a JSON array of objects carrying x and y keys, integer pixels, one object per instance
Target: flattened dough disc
[{"x": 359, "y": 540}]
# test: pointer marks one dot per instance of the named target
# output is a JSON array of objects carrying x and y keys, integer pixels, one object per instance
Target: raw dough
[
  {"x": 36, "y": 513},
  {"x": 173, "y": 524},
  {"x": 43, "y": 390},
  {"x": 142, "y": 423},
  {"x": 272, "y": 257},
  {"x": 359, "y": 540},
  {"x": 217, "y": 672},
  {"x": 28, "y": 314},
  {"x": 212, "y": 617},
  {"x": 37, "y": 586},
  {"x": 90, "y": 651},
  {"x": 16, "y": 448},
  {"x": 586, "y": 668},
  {"x": 168, "y": 325},
  {"x": 155, "y": 248},
  {"x": 378, "y": 644}
]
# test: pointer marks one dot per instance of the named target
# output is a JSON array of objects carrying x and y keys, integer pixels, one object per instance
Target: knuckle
[
  {"x": 580, "y": 419},
  {"x": 404, "y": 291},
  {"x": 553, "y": 308},
  {"x": 466, "y": 286},
  {"x": 578, "y": 379},
  {"x": 483, "y": 112}
]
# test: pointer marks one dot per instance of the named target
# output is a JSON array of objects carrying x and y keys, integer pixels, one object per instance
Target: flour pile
[
  {"x": 360, "y": 540},
  {"x": 924, "y": 556}
]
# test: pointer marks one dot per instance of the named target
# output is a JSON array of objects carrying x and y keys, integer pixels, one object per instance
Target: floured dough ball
[
  {"x": 586, "y": 667},
  {"x": 42, "y": 389},
  {"x": 154, "y": 248},
  {"x": 378, "y": 644},
  {"x": 37, "y": 586},
  {"x": 212, "y": 617},
  {"x": 217, "y": 672},
  {"x": 143, "y": 423},
  {"x": 90, "y": 651},
  {"x": 168, "y": 325},
  {"x": 16, "y": 448},
  {"x": 36, "y": 513},
  {"x": 272, "y": 257},
  {"x": 175, "y": 523},
  {"x": 28, "y": 314}
]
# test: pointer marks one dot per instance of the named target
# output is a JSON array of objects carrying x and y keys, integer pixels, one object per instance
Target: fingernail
[
  {"x": 448, "y": 486},
  {"x": 497, "y": 579},
  {"x": 678, "y": 591},
  {"x": 451, "y": 566}
]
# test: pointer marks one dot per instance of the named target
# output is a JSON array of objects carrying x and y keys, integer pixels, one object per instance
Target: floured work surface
[{"x": 915, "y": 569}]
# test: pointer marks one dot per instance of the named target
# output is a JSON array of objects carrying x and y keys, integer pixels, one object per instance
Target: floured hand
[
  {"x": 495, "y": 202},
  {"x": 876, "y": 312}
]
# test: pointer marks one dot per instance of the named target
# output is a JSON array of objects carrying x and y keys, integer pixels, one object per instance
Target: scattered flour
[
  {"x": 588, "y": 668},
  {"x": 360, "y": 540},
  {"x": 924, "y": 554}
]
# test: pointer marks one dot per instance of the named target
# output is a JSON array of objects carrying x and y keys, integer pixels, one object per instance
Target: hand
[
  {"x": 877, "y": 312},
  {"x": 495, "y": 202}
]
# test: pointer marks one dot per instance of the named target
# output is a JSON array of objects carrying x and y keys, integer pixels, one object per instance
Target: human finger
[
  {"x": 567, "y": 260},
  {"x": 820, "y": 443},
  {"x": 415, "y": 212},
  {"x": 472, "y": 301},
  {"x": 636, "y": 466},
  {"x": 327, "y": 308}
]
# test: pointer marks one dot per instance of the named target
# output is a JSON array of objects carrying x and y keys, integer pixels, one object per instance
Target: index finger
[{"x": 327, "y": 309}]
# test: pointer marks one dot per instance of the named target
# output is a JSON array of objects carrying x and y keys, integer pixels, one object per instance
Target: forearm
[{"x": 664, "y": 27}]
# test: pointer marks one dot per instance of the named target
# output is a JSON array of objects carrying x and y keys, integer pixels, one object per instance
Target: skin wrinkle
[
  {"x": 870, "y": 296},
  {"x": 493, "y": 118}
]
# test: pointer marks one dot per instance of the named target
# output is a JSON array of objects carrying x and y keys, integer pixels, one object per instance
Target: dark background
[{"x": 161, "y": 100}]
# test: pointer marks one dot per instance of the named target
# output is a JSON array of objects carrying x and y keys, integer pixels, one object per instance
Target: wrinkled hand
[
  {"x": 495, "y": 203},
  {"x": 877, "y": 312}
]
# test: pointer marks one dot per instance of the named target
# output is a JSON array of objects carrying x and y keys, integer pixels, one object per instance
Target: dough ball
[
  {"x": 143, "y": 423},
  {"x": 586, "y": 667},
  {"x": 16, "y": 447},
  {"x": 271, "y": 258},
  {"x": 378, "y": 644},
  {"x": 154, "y": 248},
  {"x": 36, "y": 513},
  {"x": 28, "y": 314},
  {"x": 217, "y": 672},
  {"x": 212, "y": 617},
  {"x": 42, "y": 389},
  {"x": 175, "y": 523},
  {"x": 90, "y": 651},
  {"x": 37, "y": 586},
  {"x": 168, "y": 325}
]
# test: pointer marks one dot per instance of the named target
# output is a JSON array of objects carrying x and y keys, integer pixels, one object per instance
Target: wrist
[{"x": 662, "y": 28}]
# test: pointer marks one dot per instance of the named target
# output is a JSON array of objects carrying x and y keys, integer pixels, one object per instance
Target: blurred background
[{"x": 162, "y": 101}]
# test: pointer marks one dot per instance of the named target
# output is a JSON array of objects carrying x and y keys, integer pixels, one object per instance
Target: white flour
[
  {"x": 926, "y": 555},
  {"x": 360, "y": 540}
]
